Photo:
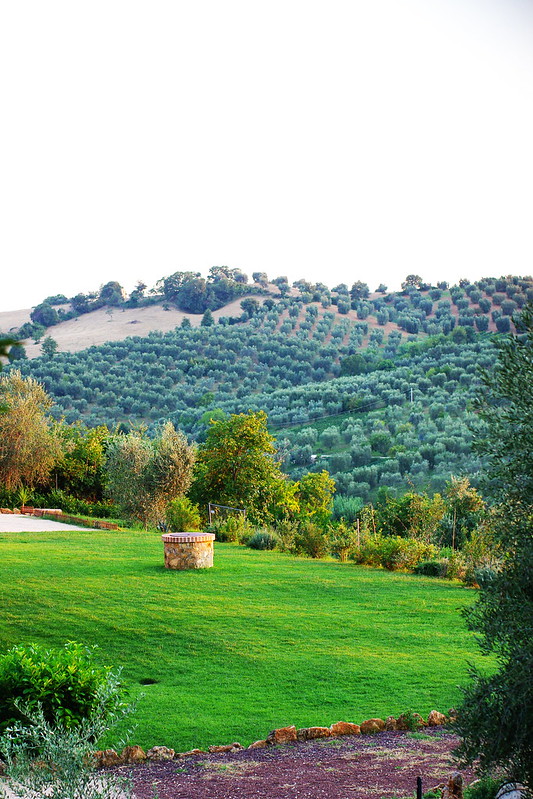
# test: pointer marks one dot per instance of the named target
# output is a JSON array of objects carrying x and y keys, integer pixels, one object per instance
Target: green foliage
[
  {"x": 346, "y": 508},
  {"x": 485, "y": 788},
  {"x": 233, "y": 529},
  {"x": 412, "y": 515},
  {"x": 45, "y": 758},
  {"x": 80, "y": 469},
  {"x": 67, "y": 684},
  {"x": 263, "y": 539},
  {"x": 49, "y": 347},
  {"x": 144, "y": 475},
  {"x": 236, "y": 467},
  {"x": 342, "y": 540},
  {"x": 314, "y": 493},
  {"x": 311, "y": 539},
  {"x": 432, "y": 568},
  {"x": 495, "y": 719},
  {"x": 182, "y": 515},
  {"x": 31, "y": 445},
  {"x": 393, "y": 552},
  {"x": 45, "y": 315}
]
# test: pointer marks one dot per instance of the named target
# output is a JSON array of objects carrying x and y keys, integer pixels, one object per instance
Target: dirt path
[{"x": 359, "y": 767}]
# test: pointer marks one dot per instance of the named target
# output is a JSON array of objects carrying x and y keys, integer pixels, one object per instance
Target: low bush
[
  {"x": 233, "y": 529},
  {"x": 485, "y": 788},
  {"x": 83, "y": 507},
  {"x": 393, "y": 552},
  {"x": 67, "y": 684},
  {"x": 263, "y": 539},
  {"x": 432, "y": 568},
  {"x": 44, "y": 758},
  {"x": 310, "y": 539},
  {"x": 342, "y": 540},
  {"x": 182, "y": 515}
]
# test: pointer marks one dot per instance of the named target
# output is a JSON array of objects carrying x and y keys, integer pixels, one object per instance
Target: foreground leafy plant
[
  {"x": 51, "y": 759},
  {"x": 66, "y": 684}
]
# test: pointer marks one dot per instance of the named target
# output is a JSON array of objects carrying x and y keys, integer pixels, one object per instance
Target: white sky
[{"x": 334, "y": 141}]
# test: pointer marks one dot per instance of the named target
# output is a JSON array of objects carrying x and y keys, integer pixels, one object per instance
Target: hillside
[{"x": 377, "y": 388}]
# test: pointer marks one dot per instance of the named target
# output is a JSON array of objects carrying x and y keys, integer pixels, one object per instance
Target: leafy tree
[
  {"x": 236, "y": 465},
  {"x": 412, "y": 281},
  {"x": 80, "y": 469},
  {"x": 207, "y": 319},
  {"x": 144, "y": 475},
  {"x": 411, "y": 516},
  {"x": 359, "y": 290},
  {"x": 45, "y": 315},
  {"x": 81, "y": 303},
  {"x": 249, "y": 306},
  {"x": 30, "y": 441},
  {"x": 495, "y": 719},
  {"x": 465, "y": 507},
  {"x": 17, "y": 353},
  {"x": 49, "y": 347},
  {"x": 315, "y": 495},
  {"x": 112, "y": 293}
]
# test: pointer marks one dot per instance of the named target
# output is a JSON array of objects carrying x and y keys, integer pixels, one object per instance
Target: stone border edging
[{"x": 131, "y": 755}]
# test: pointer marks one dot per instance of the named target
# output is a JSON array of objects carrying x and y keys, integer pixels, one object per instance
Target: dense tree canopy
[
  {"x": 144, "y": 475},
  {"x": 496, "y": 717},
  {"x": 30, "y": 442},
  {"x": 236, "y": 465}
]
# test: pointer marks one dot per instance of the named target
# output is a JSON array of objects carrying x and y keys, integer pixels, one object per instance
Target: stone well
[{"x": 188, "y": 550}]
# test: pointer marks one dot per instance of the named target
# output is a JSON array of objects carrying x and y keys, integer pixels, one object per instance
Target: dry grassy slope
[{"x": 110, "y": 324}]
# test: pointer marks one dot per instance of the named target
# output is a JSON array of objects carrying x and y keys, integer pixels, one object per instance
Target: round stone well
[{"x": 188, "y": 550}]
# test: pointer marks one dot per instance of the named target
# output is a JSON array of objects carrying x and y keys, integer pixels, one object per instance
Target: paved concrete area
[{"x": 22, "y": 523}]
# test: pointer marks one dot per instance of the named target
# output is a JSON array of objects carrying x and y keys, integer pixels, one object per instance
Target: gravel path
[{"x": 23, "y": 523}]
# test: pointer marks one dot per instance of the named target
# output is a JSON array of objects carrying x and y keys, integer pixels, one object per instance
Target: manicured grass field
[{"x": 262, "y": 640}]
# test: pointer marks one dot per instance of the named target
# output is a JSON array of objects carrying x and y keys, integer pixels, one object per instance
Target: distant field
[{"x": 261, "y": 640}]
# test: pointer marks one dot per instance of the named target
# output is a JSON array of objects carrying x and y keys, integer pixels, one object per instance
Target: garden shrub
[
  {"x": 263, "y": 539},
  {"x": 182, "y": 515},
  {"x": 286, "y": 531},
  {"x": 66, "y": 683},
  {"x": 394, "y": 552},
  {"x": 311, "y": 540},
  {"x": 342, "y": 540},
  {"x": 432, "y": 568},
  {"x": 232, "y": 529},
  {"x": 485, "y": 788},
  {"x": 83, "y": 507},
  {"x": 44, "y": 758}
]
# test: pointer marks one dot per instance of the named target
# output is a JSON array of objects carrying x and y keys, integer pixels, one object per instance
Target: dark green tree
[
  {"x": 112, "y": 293},
  {"x": 49, "y": 347},
  {"x": 207, "y": 319},
  {"x": 44, "y": 315},
  {"x": 495, "y": 719}
]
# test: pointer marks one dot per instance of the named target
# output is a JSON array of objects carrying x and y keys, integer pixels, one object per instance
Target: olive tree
[
  {"x": 144, "y": 475},
  {"x": 30, "y": 444}
]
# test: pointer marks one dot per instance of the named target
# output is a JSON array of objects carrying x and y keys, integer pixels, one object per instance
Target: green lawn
[{"x": 259, "y": 641}]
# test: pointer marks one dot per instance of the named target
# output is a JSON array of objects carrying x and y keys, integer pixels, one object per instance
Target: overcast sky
[{"x": 332, "y": 141}]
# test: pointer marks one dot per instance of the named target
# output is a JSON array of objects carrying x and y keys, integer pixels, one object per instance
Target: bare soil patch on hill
[{"x": 356, "y": 767}]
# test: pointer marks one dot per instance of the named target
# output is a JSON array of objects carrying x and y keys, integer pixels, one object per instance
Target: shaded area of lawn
[{"x": 259, "y": 641}]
